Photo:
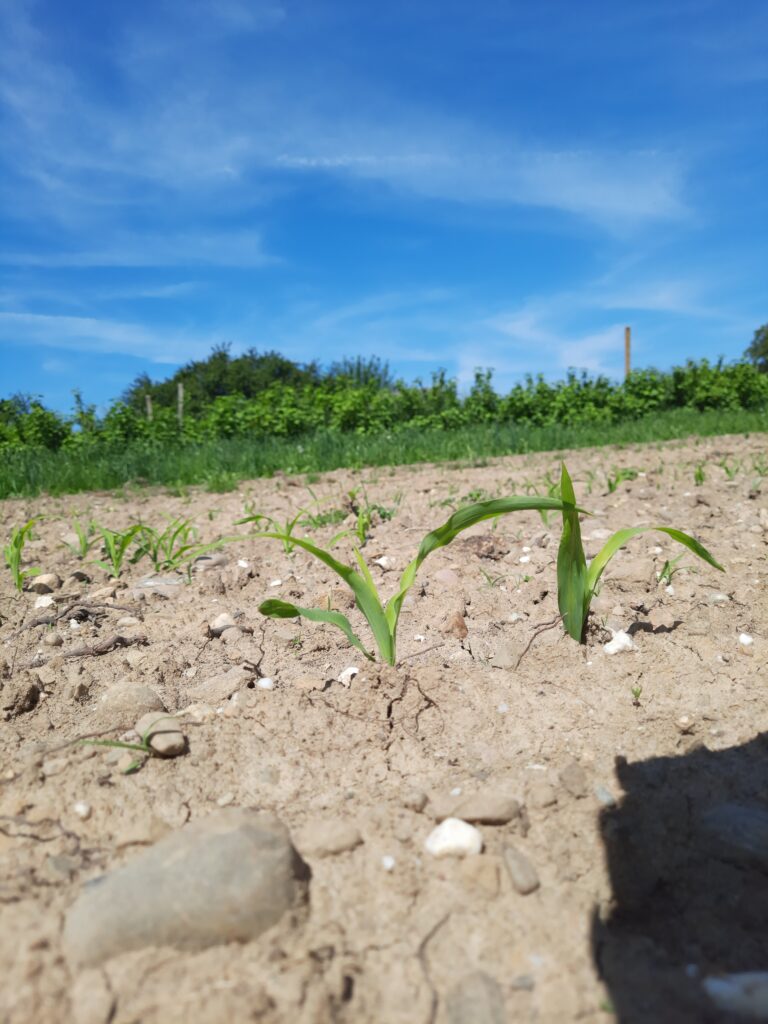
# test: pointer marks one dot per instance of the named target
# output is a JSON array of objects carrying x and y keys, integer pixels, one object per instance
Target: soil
[{"x": 621, "y": 763}]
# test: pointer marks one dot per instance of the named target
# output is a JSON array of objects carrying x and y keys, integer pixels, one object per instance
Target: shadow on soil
[{"x": 687, "y": 853}]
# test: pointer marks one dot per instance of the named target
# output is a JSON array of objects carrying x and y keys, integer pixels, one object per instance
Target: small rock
[
  {"x": 745, "y": 994},
  {"x": 487, "y": 807},
  {"x": 522, "y": 873},
  {"x": 18, "y": 696},
  {"x": 346, "y": 677},
  {"x": 223, "y": 878},
  {"x": 163, "y": 734},
  {"x": 218, "y": 688},
  {"x": 265, "y": 683},
  {"x": 718, "y": 598},
  {"x": 52, "y": 640},
  {"x": 123, "y": 703},
  {"x": 328, "y": 836},
  {"x": 220, "y": 623},
  {"x": 455, "y": 625},
  {"x": 414, "y": 800},
  {"x": 574, "y": 779},
  {"x": 82, "y": 810},
  {"x": 388, "y": 862},
  {"x": 541, "y": 794},
  {"x": 621, "y": 642},
  {"x": 477, "y": 999},
  {"x": 44, "y": 601},
  {"x": 206, "y": 563},
  {"x": 127, "y": 621},
  {"x": 103, "y": 593},
  {"x": 605, "y": 796},
  {"x": 46, "y": 583},
  {"x": 454, "y": 838},
  {"x": 746, "y": 640}
]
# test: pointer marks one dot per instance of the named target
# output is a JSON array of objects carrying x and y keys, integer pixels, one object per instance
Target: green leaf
[
  {"x": 571, "y": 564},
  {"x": 620, "y": 538},
  {"x": 459, "y": 521},
  {"x": 284, "y": 610}
]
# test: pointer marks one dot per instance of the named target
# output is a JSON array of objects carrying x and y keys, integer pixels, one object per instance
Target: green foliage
[
  {"x": 381, "y": 617},
  {"x": 577, "y": 581},
  {"x": 85, "y": 538},
  {"x": 115, "y": 548},
  {"x": 13, "y": 552},
  {"x": 175, "y": 546},
  {"x": 757, "y": 352}
]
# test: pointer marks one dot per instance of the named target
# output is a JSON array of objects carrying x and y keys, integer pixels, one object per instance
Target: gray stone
[
  {"x": 477, "y": 999},
  {"x": 574, "y": 779},
  {"x": 52, "y": 640},
  {"x": 123, "y": 703},
  {"x": 328, "y": 836},
  {"x": 487, "y": 807},
  {"x": 522, "y": 873},
  {"x": 46, "y": 583},
  {"x": 164, "y": 735},
  {"x": 224, "y": 878}
]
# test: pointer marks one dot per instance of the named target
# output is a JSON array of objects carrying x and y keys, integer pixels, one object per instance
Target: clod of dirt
[
  {"x": 224, "y": 878},
  {"x": 19, "y": 696},
  {"x": 522, "y": 873},
  {"x": 123, "y": 703},
  {"x": 220, "y": 623},
  {"x": 328, "y": 836},
  {"x": 454, "y": 625},
  {"x": 574, "y": 779},
  {"x": 46, "y": 583},
  {"x": 477, "y": 999}
]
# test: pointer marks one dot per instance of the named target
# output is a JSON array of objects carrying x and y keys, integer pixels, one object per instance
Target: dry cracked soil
[{"x": 620, "y": 799}]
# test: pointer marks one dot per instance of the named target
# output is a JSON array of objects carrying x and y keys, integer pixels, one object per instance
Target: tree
[{"x": 757, "y": 352}]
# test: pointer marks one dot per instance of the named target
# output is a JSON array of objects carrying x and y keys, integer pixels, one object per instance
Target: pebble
[
  {"x": 74, "y": 624},
  {"x": 383, "y": 562},
  {"x": 488, "y": 807},
  {"x": 326, "y": 837},
  {"x": 522, "y": 873},
  {"x": 573, "y": 778},
  {"x": 477, "y": 999},
  {"x": 242, "y": 564},
  {"x": 414, "y": 800},
  {"x": 220, "y": 623},
  {"x": 128, "y": 620},
  {"x": 265, "y": 683},
  {"x": 44, "y": 601},
  {"x": 621, "y": 642},
  {"x": 605, "y": 796},
  {"x": 103, "y": 593},
  {"x": 746, "y": 640},
  {"x": 346, "y": 677},
  {"x": 226, "y": 799},
  {"x": 52, "y": 640},
  {"x": 123, "y": 703},
  {"x": 82, "y": 810},
  {"x": 745, "y": 993},
  {"x": 503, "y": 708},
  {"x": 165, "y": 737},
  {"x": 454, "y": 838},
  {"x": 388, "y": 862},
  {"x": 45, "y": 583},
  {"x": 205, "y": 563},
  {"x": 455, "y": 625},
  {"x": 276, "y": 583},
  {"x": 718, "y": 598},
  {"x": 223, "y": 878}
]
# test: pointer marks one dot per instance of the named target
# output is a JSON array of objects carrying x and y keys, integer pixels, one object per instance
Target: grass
[{"x": 221, "y": 464}]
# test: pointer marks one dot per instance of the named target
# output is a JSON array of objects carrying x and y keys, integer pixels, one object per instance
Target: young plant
[
  {"x": 85, "y": 538},
  {"x": 671, "y": 568},
  {"x": 175, "y": 546},
  {"x": 142, "y": 747},
  {"x": 285, "y": 534},
  {"x": 698, "y": 474},
  {"x": 383, "y": 617},
  {"x": 620, "y": 475},
  {"x": 577, "y": 581},
  {"x": 14, "y": 550},
  {"x": 115, "y": 547}
]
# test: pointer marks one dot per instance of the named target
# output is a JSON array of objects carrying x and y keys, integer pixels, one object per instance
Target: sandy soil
[{"x": 621, "y": 764}]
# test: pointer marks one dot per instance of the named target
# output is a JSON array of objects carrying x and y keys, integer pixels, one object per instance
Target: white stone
[
  {"x": 242, "y": 564},
  {"x": 419, "y": 638},
  {"x": 746, "y": 640},
  {"x": 621, "y": 642},
  {"x": 346, "y": 677},
  {"x": 745, "y": 993},
  {"x": 454, "y": 838},
  {"x": 670, "y": 590},
  {"x": 384, "y": 562},
  {"x": 388, "y": 862},
  {"x": 74, "y": 624},
  {"x": 82, "y": 810},
  {"x": 456, "y": 791},
  {"x": 525, "y": 559},
  {"x": 44, "y": 601},
  {"x": 719, "y": 598},
  {"x": 503, "y": 708},
  {"x": 265, "y": 683},
  {"x": 275, "y": 583}
]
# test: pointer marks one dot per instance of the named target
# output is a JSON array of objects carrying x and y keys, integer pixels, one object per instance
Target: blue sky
[{"x": 500, "y": 184}]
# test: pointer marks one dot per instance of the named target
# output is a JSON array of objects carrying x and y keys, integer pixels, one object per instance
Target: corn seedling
[
  {"x": 142, "y": 747},
  {"x": 619, "y": 476},
  {"x": 175, "y": 546},
  {"x": 577, "y": 581},
  {"x": 636, "y": 691},
  {"x": 85, "y": 538},
  {"x": 698, "y": 474},
  {"x": 671, "y": 568},
  {"x": 285, "y": 534},
  {"x": 14, "y": 550},
  {"x": 115, "y": 547},
  {"x": 383, "y": 617},
  {"x": 730, "y": 469}
]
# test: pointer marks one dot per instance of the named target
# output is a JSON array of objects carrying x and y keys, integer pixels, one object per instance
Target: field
[{"x": 620, "y": 797}]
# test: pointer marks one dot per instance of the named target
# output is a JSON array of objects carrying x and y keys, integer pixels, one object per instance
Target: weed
[
  {"x": 383, "y": 618},
  {"x": 492, "y": 581},
  {"x": 221, "y": 482},
  {"x": 576, "y": 581},
  {"x": 14, "y": 550}
]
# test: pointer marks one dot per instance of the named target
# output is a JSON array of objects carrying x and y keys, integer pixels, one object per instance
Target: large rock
[
  {"x": 123, "y": 703},
  {"x": 224, "y": 878}
]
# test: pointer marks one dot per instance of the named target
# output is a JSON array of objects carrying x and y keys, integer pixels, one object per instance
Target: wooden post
[
  {"x": 180, "y": 403},
  {"x": 148, "y": 403},
  {"x": 627, "y": 350}
]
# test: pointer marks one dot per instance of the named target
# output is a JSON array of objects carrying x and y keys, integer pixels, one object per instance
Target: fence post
[
  {"x": 148, "y": 403},
  {"x": 180, "y": 404},
  {"x": 627, "y": 350}
]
